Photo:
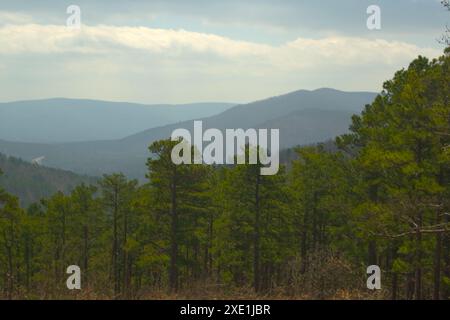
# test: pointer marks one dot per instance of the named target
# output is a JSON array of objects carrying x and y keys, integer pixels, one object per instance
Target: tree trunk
[
  {"x": 257, "y": 235},
  {"x": 418, "y": 272},
  {"x": 173, "y": 271},
  {"x": 437, "y": 262},
  {"x": 304, "y": 239},
  {"x": 10, "y": 273},
  {"x": 115, "y": 244},
  {"x": 372, "y": 253},
  {"x": 394, "y": 274},
  {"x": 86, "y": 251},
  {"x": 27, "y": 262},
  {"x": 125, "y": 254}
]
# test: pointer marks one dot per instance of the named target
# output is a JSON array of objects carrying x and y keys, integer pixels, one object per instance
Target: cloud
[
  {"x": 298, "y": 54},
  {"x": 14, "y": 18},
  {"x": 156, "y": 65}
]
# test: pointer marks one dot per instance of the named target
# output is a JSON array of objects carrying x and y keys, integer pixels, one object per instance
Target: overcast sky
[{"x": 181, "y": 51}]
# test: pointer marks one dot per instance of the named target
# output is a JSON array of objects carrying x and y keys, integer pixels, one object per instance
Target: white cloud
[
  {"x": 298, "y": 54},
  {"x": 166, "y": 65}
]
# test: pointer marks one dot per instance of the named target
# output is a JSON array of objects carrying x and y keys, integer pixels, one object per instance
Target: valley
[{"x": 303, "y": 117}]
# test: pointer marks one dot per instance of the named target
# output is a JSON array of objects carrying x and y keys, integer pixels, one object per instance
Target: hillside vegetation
[{"x": 31, "y": 183}]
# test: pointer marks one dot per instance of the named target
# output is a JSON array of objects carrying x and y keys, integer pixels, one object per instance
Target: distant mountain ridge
[
  {"x": 303, "y": 117},
  {"x": 61, "y": 120}
]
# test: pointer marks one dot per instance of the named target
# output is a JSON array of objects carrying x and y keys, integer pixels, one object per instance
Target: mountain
[
  {"x": 69, "y": 120},
  {"x": 309, "y": 126},
  {"x": 30, "y": 182},
  {"x": 303, "y": 117}
]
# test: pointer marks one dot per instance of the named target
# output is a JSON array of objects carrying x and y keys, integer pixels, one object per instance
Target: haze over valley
[{"x": 303, "y": 117}]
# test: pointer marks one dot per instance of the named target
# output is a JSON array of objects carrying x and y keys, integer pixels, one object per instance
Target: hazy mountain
[
  {"x": 68, "y": 120},
  {"x": 30, "y": 182},
  {"x": 309, "y": 126},
  {"x": 303, "y": 117}
]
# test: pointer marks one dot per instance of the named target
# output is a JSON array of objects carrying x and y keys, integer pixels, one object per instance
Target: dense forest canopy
[{"x": 308, "y": 232}]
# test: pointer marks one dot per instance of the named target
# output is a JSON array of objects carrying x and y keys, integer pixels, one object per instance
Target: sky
[{"x": 184, "y": 51}]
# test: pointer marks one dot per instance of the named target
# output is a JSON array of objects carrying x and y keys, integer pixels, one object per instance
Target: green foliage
[{"x": 381, "y": 198}]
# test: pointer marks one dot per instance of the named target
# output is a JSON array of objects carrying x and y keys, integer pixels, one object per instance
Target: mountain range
[
  {"x": 73, "y": 120},
  {"x": 303, "y": 117}
]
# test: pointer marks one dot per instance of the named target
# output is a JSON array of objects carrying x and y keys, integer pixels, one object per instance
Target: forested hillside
[
  {"x": 198, "y": 231},
  {"x": 30, "y": 182}
]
